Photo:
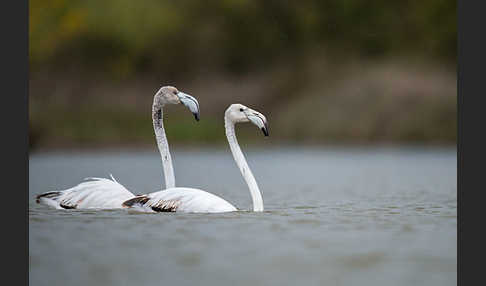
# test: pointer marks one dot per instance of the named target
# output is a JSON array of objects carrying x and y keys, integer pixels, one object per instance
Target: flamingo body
[
  {"x": 97, "y": 193},
  {"x": 187, "y": 200}
]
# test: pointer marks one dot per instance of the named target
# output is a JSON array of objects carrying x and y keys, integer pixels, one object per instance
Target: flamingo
[
  {"x": 192, "y": 200},
  {"x": 102, "y": 193}
]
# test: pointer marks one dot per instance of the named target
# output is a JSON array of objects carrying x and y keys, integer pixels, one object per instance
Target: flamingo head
[
  {"x": 170, "y": 95},
  {"x": 239, "y": 113}
]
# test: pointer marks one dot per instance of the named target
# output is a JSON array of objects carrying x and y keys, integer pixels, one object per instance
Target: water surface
[{"x": 349, "y": 216}]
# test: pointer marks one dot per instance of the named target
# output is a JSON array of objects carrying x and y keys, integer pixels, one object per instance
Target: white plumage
[
  {"x": 180, "y": 200},
  {"x": 98, "y": 193}
]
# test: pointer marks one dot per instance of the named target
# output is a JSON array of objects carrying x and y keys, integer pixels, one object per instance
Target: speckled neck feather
[{"x": 161, "y": 138}]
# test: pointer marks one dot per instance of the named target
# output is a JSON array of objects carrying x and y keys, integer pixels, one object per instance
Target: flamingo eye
[
  {"x": 175, "y": 92},
  {"x": 241, "y": 109}
]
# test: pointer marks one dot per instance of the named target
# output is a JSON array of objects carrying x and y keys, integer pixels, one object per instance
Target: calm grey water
[{"x": 350, "y": 216}]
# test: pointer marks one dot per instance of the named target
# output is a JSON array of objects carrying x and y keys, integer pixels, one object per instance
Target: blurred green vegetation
[
  {"x": 271, "y": 55},
  {"x": 173, "y": 37}
]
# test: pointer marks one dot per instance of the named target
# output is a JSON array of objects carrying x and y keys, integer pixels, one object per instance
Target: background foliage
[{"x": 324, "y": 71}]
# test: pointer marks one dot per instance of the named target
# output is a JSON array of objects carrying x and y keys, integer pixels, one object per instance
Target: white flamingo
[
  {"x": 107, "y": 194},
  {"x": 199, "y": 201}
]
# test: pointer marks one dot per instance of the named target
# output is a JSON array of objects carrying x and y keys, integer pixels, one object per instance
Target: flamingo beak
[
  {"x": 265, "y": 129},
  {"x": 190, "y": 102},
  {"x": 259, "y": 120}
]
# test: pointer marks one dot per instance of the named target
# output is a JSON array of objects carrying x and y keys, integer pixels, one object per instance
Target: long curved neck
[
  {"x": 240, "y": 160},
  {"x": 157, "y": 119}
]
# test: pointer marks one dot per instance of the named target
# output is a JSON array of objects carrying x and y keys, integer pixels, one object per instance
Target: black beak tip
[{"x": 265, "y": 131}]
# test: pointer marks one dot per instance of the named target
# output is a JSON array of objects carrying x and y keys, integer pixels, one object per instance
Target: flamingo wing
[
  {"x": 99, "y": 193},
  {"x": 180, "y": 200}
]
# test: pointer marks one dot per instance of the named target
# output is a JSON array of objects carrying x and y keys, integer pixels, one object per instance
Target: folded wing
[
  {"x": 180, "y": 200},
  {"x": 93, "y": 193}
]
